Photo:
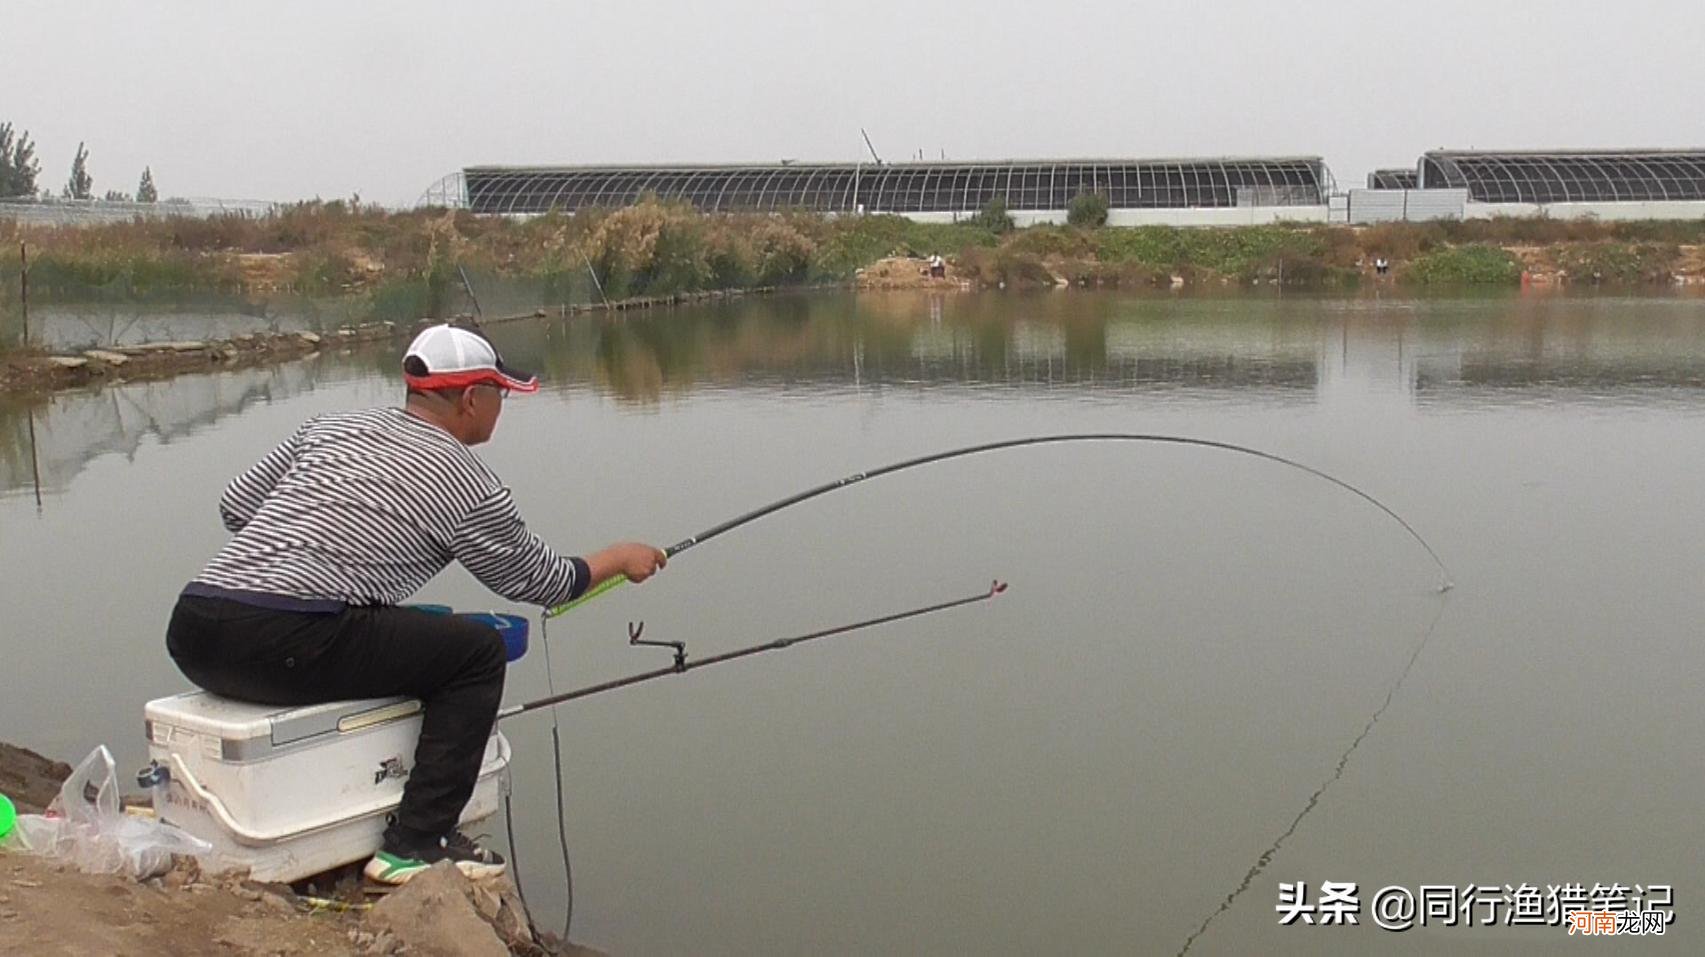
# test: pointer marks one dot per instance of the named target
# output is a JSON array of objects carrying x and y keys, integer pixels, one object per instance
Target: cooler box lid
[{"x": 248, "y": 730}]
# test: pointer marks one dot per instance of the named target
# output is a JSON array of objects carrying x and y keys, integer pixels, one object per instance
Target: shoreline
[
  {"x": 32, "y": 373},
  {"x": 184, "y": 911}
]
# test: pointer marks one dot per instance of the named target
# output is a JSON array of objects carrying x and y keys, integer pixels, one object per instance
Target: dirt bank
[
  {"x": 48, "y": 908},
  {"x": 29, "y": 779},
  {"x": 36, "y": 371},
  {"x": 908, "y": 272}
]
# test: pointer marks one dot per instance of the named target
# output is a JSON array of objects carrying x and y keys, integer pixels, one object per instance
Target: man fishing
[{"x": 353, "y": 514}]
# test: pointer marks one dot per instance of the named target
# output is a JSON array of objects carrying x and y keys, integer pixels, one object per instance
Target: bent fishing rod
[
  {"x": 682, "y": 665},
  {"x": 857, "y": 477}
]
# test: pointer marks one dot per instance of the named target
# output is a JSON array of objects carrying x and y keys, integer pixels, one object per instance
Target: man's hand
[{"x": 635, "y": 561}]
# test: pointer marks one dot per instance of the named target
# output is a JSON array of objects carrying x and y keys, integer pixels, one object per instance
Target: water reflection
[
  {"x": 1429, "y": 354},
  {"x": 81, "y": 316},
  {"x": 51, "y": 443}
]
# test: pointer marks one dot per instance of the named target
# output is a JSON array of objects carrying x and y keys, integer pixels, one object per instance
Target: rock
[
  {"x": 487, "y": 901},
  {"x": 308, "y": 337},
  {"x": 68, "y": 362},
  {"x": 29, "y": 779},
  {"x": 110, "y": 358},
  {"x": 434, "y": 915},
  {"x": 276, "y": 898},
  {"x": 246, "y": 337}
]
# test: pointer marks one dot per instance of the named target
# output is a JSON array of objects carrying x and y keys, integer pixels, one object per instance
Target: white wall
[
  {"x": 1365, "y": 206},
  {"x": 1205, "y": 216},
  {"x": 1607, "y": 211}
]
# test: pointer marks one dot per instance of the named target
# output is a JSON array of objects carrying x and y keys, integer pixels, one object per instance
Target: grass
[
  {"x": 1473, "y": 264},
  {"x": 1608, "y": 261},
  {"x": 660, "y": 248}
]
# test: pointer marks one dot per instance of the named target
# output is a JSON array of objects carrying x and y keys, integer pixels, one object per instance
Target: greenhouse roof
[
  {"x": 1564, "y": 176},
  {"x": 930, "y": 186}
]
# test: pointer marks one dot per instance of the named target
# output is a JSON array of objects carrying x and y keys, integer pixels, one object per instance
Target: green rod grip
[{"x": 590, "y": 594}]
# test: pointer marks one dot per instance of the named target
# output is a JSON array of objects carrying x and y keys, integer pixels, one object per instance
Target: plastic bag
[{"x": 85, "y": 826}]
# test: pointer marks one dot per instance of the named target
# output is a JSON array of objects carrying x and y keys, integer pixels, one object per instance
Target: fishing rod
[
  {"x": 682, "y": 665},
  {"x": 470, "y": 290},
  {"x": 855, "y": 478}
]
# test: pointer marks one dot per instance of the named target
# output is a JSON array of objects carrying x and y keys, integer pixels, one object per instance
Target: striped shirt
[{"x": 363, "y": 508}]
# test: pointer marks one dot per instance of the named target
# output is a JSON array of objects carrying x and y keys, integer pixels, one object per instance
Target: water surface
[{"x": 1092, "y": 763}]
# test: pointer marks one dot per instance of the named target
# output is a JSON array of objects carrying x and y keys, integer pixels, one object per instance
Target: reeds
[{"x": 660, "y": 248}]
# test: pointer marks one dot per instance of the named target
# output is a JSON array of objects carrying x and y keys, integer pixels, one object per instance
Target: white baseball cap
[{"x": 449, "y": 357}]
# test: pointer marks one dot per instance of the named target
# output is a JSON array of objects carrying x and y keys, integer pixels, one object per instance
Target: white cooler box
[{"x": 286, "y": 793}]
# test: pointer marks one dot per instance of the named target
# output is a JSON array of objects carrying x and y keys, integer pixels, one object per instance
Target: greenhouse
[
  {"x": 1393, "y": 179},
  {"x": 951, "y": 189},
  {"x": 1607, "y": 176}
]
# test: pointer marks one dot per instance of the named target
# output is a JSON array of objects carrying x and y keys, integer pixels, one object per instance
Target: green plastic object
[
  {"x": 605, "y": 586},
  {"x": 8, "y": 815}
]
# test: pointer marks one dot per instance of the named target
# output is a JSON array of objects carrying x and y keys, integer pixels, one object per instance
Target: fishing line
[
  {"x": 1266, "y": 856},
  {"x": 556, "y": 761},
  {"x": 681, "y": 666},
  {"x": 855, "y": 478}
]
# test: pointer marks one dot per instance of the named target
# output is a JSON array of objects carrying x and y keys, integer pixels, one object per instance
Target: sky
[{"x": 304, "y": 99}]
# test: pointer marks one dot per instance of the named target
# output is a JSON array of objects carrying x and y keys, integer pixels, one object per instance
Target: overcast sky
[{"x": 287, "y": 100}]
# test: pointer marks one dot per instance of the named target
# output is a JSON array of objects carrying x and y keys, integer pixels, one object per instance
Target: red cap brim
[{"x": 461, "y": 380}]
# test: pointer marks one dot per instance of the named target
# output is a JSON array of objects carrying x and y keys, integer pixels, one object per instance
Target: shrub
[
  {"x": 1004, "y": 264},
  {"x": 994, "y": 217},
  {"x": 1054, "y": 241},
  {"x": 1617, "y": 262},
  {"x": 1087, "y": 210},
  {"x": 1401, "y": 241},
  {"x": 1476, "y": 263}
]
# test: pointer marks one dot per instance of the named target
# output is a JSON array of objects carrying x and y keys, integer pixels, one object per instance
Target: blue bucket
[{"x": 513, "y": 628}]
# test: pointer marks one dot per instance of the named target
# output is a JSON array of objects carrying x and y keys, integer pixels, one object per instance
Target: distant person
[
  {"x": 1381, "y": 266},
  {"x": 352, "y": 515},
  {"x": 937, "y": 266}
]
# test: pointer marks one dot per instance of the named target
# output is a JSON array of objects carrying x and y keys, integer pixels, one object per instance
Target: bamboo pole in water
[
  {"x": 24, "y": 286},
  {"x": 35, "y": 461}
]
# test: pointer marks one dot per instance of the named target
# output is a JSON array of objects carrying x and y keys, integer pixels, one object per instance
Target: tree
[
  {"x": 81, "y": 185},
  {"x": 145, "y": 191},
  {"x": 114, "y": 196},
  {"x": 1087, "y": 209},
  {"x": 993, "y": 217},
  {"x": 18, "y": 166}
]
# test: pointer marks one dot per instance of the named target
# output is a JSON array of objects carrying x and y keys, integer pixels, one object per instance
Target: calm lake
[{"x": 1192, "y": 644}]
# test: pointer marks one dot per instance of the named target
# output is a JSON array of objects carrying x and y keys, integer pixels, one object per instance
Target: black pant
[{"x": 454, "y": 666}]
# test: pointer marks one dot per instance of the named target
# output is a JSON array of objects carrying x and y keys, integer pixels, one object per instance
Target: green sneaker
[{"x": 395, "y": 865}]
